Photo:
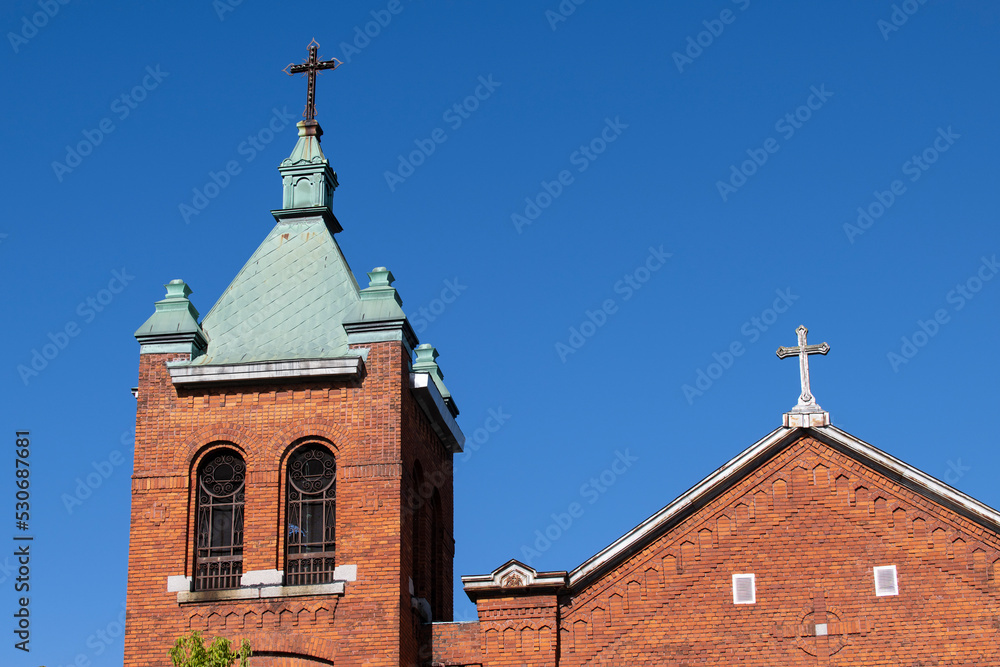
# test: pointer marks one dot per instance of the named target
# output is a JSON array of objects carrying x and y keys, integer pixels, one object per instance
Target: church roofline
[
  {"x": 738, "y": 469},
  {"x": 339, "y": 368},
  {"x": 744, "y": 463}
]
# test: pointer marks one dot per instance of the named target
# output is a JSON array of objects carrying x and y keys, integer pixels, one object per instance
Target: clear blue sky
[{"x": 739, "y": 137}]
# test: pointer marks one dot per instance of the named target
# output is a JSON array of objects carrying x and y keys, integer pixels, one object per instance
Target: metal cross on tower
[
  {"x": 311, "y": 66},
  {"x": 803, "y": 351}
]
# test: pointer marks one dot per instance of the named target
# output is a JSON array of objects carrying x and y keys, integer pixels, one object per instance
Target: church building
[{"x": 293, "y": 486}]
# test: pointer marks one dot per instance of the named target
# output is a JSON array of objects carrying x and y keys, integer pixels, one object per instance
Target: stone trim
[
  {"x": 262, "y": 578},
  {"x": 345, "y": 368},
  {"x": 513, "y": 578},
  {"x": 178, "y": 584},
  {"x": 795, "y": 419},
  {"x": 261, "y": 592},
  {"x": 429, "y": 399}
]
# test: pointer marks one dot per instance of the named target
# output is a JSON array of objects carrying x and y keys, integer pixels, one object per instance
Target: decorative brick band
[
  {"x": 143, "y": 484},
  {"x": 385, "y": 470}
]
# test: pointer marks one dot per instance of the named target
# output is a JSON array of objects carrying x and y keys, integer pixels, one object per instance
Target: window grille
[
  {"x": 311, "y": 516},
  {"x": 221, "y": 490}
]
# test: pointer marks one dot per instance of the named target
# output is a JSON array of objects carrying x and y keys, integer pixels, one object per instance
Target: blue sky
[{"x": 833, "y": 161}]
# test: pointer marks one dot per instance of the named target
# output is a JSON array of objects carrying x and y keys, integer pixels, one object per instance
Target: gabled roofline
[
  {"x": 525, "y": 580},
  {"x": 753, "y": 457},
  {"x": 686, "y": 504},
  {"x": 912, "y": 478}
]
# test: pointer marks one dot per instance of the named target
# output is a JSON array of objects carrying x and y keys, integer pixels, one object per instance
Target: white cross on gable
[{"x": 807, "y": 402}]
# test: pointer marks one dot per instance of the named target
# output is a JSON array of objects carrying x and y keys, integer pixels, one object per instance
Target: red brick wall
[
  {"x": 375, "y": 430},
  {"x": 457, "y": 644},
  {"x": 519, "y": 631},
  {"x": 810, "y": 524}
]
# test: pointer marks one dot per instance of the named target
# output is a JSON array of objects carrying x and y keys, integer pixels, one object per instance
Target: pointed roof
[
  {"x": 287, "y": 302},
  {"x": 295, "y": 309},
  {"x": 307, "y": 149},
  {"x": 290, "y": 300}
]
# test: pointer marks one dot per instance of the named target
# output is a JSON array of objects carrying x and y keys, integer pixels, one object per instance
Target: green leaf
[{"x": 190, "y": 651}]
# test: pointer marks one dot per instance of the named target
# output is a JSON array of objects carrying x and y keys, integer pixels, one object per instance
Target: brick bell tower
[{"x": 293, "y": 456}]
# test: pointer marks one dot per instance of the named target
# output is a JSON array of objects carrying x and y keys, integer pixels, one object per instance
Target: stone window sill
[{"x": 260, "y": 592}]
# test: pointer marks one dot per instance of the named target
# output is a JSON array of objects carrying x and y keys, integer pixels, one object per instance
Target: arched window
[
  {"x": 311, "y": 517},
  {"x": 221, "y": 489}
]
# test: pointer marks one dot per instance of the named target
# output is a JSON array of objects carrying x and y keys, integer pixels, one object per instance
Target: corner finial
[
  {"x": 173, "y": 326},
  {"x": 380, "y": 281},
  {"x": 426, "y": 362}
]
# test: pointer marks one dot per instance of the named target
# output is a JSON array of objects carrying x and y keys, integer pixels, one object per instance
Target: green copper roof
[
  {"x": 288, "y": 301},
  {"x": 174, "y": 314},
  {"x": 306, "y": 177},
  {"x": 173, "y": 326},
  {"x": 307, "y": 148},
  {"x": 379, "y": 301},
  {"x": 293, "y": 298}
]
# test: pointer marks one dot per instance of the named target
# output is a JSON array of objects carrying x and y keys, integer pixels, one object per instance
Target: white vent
[
  {"x": 744, "y": 589},
  {"x": 885, "y": 580}
]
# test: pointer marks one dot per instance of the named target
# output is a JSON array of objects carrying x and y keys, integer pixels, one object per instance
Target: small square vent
[
  {"x": 885, "y": 580},
  {"x": 744, "y": 589}
]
